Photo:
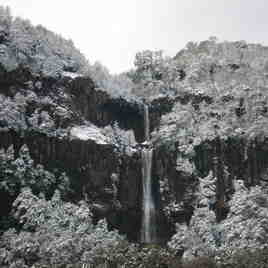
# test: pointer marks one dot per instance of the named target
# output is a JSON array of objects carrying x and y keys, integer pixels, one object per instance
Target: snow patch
[
  {"x": 89, "y": 133},
  {"x": 71, "y": 75}
]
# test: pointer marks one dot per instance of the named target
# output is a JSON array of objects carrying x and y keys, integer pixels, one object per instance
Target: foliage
[
  {"x": 124, "y": 140},
  {"x": 16, "y": 173},
  {"x": 200, "y": 262},
  {"x": 199, "y": 238},
  {"x": 247, "y": 259},
  {"x": 26, "y": 111},
  {"x": 209, "y": 67},
  {"x": 149, "y": 256},
  {"x": 38, "y": 48},
  {"x": 55, "y": 232},
  {"x": 207, "y": 190},
  {"x": 154, "y": 74},
  {"x": 241, "y": 115},
  {"x": 223, "y": 92},
  {"x": 118, "y": 85},
  {"x": 49, "y": 54},
  {"x": 245, "y": 227},
  {"x": 12, "y": 112}
]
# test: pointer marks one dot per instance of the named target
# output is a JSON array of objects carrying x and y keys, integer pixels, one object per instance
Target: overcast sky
[{"x": 112, "y": 31}]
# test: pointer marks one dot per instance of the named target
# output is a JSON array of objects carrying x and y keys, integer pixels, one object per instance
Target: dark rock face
[
  {"x": 14, "y": 79},
  {"x": 129, "y": 115},
  {"x": 84, "y": 99},
  {"x": 157, "y": 108},
  {"x": 182, "y": 187},
  {"x": 88, "y": 164},
  {"x": 241, "y": 158},
  {"x": 233, "y": 159},
  {"x": 90, "y": 167},
  {"x": 99, "y": 108},
  {"x": 129, "y": 196}
]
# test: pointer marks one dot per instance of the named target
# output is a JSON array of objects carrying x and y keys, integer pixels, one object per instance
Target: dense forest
[{"x": 77, "y": 144}]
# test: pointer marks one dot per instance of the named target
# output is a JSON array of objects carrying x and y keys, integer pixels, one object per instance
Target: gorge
[{"x": 163, "y": 162}]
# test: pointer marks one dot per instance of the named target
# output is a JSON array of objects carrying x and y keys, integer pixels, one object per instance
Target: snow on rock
[
  {"x": 71, "y": 75},
  {"x": 89, "y": 133}
]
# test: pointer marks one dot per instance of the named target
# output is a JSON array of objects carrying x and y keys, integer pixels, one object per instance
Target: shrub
[
  {"x": 55, "y": 232},
  {"x": 201, "y": 262}
]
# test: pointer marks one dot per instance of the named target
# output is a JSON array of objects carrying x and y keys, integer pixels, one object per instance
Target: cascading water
[
  {"x": 148, "y": 228},
  {"x": 146, "y": 123}
]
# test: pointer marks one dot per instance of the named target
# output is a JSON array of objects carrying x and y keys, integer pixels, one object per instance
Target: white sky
[{"x": 112, "y": 31}]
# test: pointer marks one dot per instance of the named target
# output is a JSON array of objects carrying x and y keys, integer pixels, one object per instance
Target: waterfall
[
  {"x": 148, "y": 231},
  {"x": 146, "y": 123},
  {"x": 148, "y": 228}
]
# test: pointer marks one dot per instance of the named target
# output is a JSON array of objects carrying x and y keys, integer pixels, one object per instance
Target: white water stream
[{"x": 148, "y": 228}]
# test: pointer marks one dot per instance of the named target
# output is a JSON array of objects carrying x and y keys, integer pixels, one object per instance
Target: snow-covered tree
[
  {"x": 201, "y": 238},
  {"x": 24, "y": 40},
  {"x": 5, "y": 22},
  {"x": 246, "y": 226},
  {"x": 149, "y": 65},
  {"x": 56, "y": 233},
  {"x": 37, "y": 48},
  {"x": 16, "y": 173},
  {"x": 123, "y": 139},
  {"x": 116, "y": 85},
  {"x": 12, "y": 112},
  {"x": 207, "y": 191}
]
